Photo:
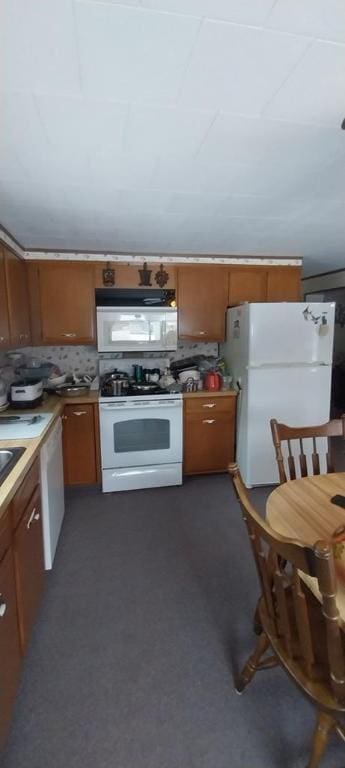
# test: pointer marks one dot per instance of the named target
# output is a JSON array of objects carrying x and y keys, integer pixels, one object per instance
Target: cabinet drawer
[
  {"x": 209, "y": 404},
  {"x": 5, "y": 535},
  {"x": 24, "y": 493}
]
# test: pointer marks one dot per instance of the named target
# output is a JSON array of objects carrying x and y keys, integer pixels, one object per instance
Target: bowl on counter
[{"x": 190, "y": 373}]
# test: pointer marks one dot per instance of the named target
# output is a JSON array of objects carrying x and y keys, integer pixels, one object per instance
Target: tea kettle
[{"x": 212, "y": 381}]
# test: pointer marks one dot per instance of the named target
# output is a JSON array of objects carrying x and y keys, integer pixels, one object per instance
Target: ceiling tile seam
[
  {"x": 268, "y": 14},
  {"x": 285, "y": 80},
  {"x": 207, "y": 132},
  {"x": 76, "y": 44},
  {"x": 125, "y": 128},
  {"x": 188, "y": 63},
  {"x": 40, "y": 118}
]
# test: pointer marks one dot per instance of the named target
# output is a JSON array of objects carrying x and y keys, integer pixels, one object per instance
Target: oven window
[{"x": 141, "y": 435}]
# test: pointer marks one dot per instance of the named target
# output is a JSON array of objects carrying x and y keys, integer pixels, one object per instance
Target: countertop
[
  {"x": 55, "y": 405},
  {"x": 207, "y": 393},
  {"x": 51, "y": 404}
]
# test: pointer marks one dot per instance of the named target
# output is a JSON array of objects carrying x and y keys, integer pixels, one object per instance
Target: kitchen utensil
[
  {"x": 55, "y": 381},
  {"x": 144, "y": 388},
  {"x": 226, "y": 382},
  {"x": 167, "y": 379},
  {"x": 72, "y": 390},
  {"x": 212, "y": 381},
  {"x": 138, "y": 373},
  {"x": 120, "y": 386},
  {"x": 26, "y": 393},
  {"x": 190, "y": 373},
  {"x": 35, "y": 372}
]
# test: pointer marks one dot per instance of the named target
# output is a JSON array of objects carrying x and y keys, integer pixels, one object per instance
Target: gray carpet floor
[{"x": 146, "y": 618}]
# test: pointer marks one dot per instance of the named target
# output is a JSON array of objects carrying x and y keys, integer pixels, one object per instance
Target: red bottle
[{"x": 212, "y": 381}]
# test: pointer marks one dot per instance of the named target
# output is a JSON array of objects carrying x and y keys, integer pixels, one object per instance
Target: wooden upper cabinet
[
  {"x": 284, "y": 284},
  {"x": 67, "y": 302},
  {"x": 4, "y": 320},
  {"x": 247, "y": 284},
  {"x": 17, "y": 299},
  {"x": 202, "y": 300}
]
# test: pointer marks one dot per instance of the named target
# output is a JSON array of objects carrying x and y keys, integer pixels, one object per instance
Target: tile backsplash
[{"x": 88, "y": 360}]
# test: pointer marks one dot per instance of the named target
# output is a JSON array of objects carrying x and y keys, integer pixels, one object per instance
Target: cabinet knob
[
  {"x": 22, "y": 335},
  {"x": 2, "y": 338},
  {"x": 208, "y": 421},
  {"x": 208, "y": 405},
  {"x": 202, "y": 333},
  {"x": 3, "y": 607},
  {"x": 79, "y": 413},
  {"x": 69, "y": 335}
]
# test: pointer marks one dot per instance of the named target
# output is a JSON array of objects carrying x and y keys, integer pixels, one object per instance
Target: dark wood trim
[
  {"x": 11, "y": 236},
  {"x": 323, "y": 274}
]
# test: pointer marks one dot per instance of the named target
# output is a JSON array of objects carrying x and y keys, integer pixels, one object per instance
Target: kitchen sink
[{"x": 8, "y": 459}]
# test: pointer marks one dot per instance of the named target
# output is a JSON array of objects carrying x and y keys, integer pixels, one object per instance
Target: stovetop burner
[{"x": 107, "y": 391}]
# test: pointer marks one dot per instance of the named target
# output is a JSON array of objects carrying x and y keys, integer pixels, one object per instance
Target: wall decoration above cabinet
[
  {"x": 108, "y": 274},
  {"x": 145, "y": 275},
  {"x": 161, "y": 277}
]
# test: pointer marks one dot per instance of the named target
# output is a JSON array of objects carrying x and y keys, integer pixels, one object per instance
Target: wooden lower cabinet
[
  {"x": 29, "y": 566},
  {"x": 209, "y": 434},
  {"x": 80, "y": 438},
  {"x": 9, "y": 644}
]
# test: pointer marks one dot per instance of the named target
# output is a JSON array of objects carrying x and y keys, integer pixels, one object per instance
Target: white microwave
[{"x": 134, "y": 329}]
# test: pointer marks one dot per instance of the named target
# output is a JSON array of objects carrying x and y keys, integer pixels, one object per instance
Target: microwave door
[{"x": 133, "y": 329}]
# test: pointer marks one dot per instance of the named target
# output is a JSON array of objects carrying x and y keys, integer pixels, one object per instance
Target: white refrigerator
[{"x": 280, "y": 357}]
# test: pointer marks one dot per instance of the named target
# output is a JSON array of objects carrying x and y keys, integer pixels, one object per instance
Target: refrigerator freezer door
[
  {"x": 286, "y": 333},
  {"x": 294, "y": 396}
]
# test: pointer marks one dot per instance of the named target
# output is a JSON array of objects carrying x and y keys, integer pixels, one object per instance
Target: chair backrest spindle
[{"x": 293, "y": 465}]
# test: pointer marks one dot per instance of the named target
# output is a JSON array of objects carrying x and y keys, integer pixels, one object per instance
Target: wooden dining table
[{"x": 302, "y": 510}]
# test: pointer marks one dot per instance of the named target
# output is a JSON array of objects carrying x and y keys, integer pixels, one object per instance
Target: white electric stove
[{"x": 141, "y": 441}]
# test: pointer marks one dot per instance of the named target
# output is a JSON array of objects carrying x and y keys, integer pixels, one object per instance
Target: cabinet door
[
  {"x": 4, "y": 324},
  {"x": 247, "y": 284},
  {"x": 202, "y": 301},
  {"x": 9, "y": 644},
  {"x": 67, "y": 303},
  {"x": 284, "y": 284},
  {"x": 17, "y": 298},
  {"x": 29, "y": 566},
  {"x": 208, "y": 443},
  {"x": 79, "y": 445}
]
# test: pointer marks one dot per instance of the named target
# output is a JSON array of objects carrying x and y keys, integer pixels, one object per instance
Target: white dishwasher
[{"x": 52, "y": 490}]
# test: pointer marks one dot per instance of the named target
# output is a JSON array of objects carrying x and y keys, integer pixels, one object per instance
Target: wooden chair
[
  {"x": 303, "y": 633},
  {"x": 288, "y": 466}
]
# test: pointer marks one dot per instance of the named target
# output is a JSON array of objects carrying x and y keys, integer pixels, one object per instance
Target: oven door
[{"x": 137, "y": 433}]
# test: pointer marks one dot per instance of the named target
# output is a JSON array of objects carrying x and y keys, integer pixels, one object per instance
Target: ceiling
[{"x": 194, "y": 126}]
